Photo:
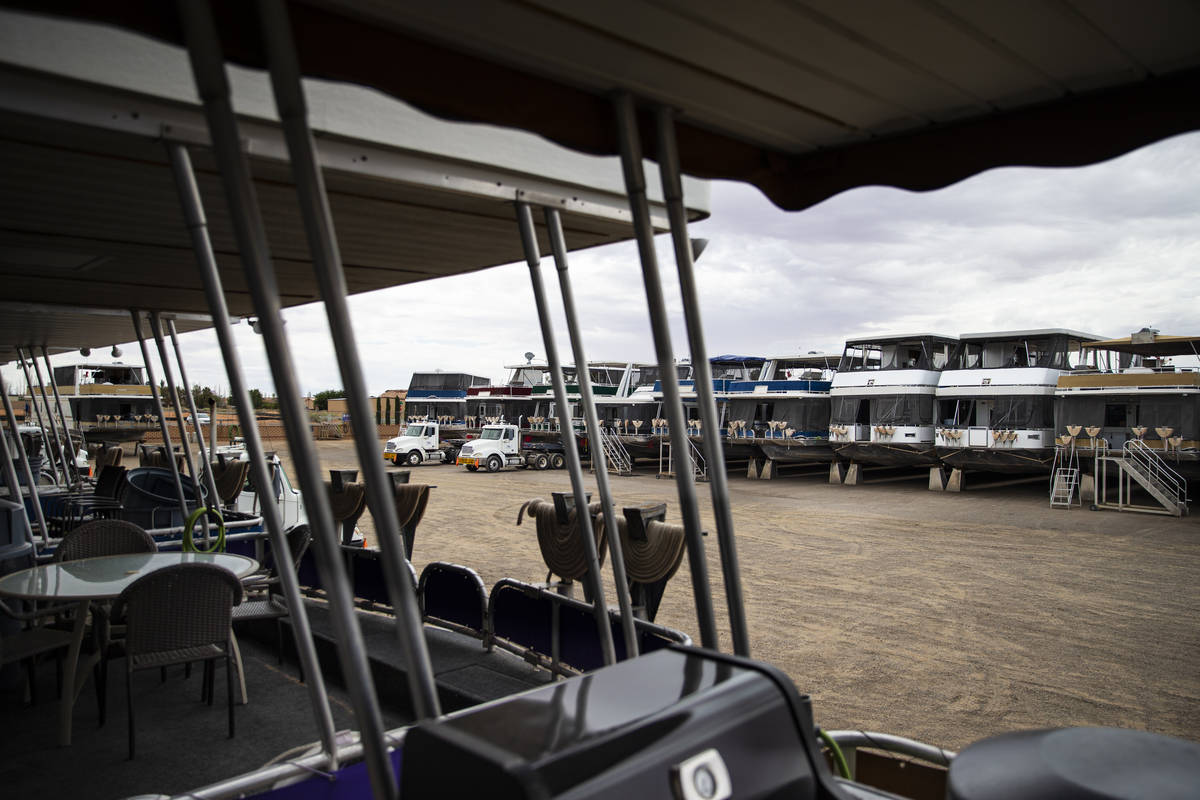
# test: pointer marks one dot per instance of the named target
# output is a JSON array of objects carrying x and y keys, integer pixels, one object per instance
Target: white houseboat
[
  {"x": 995, "y": 400},
  {"x": 883, "y": 397}
]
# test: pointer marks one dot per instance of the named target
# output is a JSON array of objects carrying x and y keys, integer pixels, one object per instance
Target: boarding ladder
[
  {"x": 616, "y": 457},
  {"x": 666, "y": 454},
  {"x": 1140, "y": 463},
  {"x": 1064, "y": 479}
]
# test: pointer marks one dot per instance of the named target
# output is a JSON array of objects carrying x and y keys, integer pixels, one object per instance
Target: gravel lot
[{"x": 941, "y": 617}]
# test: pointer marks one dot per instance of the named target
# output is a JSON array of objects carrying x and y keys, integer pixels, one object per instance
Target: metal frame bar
[
  {"x": 210, "y": 277},
  {"x": 558, "y": 246},
  {"x": 208, "y": 70},
  {"x": 173, "y": 395},
  {"x": 672, "y": 183},
  {"x": 635, "y": 184},
  {"x": 162, "y": 418},
  {"x": 331, "y": 279},
  {"x": 72, "y": 453},
  {"x": 37, "y": 411},
  {"x": 533, "y": 258},
  {"x": 60, "y": 454},
  {"x": 14, "y": 485},
  {"x": 206, "y": 472},
  {"x": 30, "y": 478}
]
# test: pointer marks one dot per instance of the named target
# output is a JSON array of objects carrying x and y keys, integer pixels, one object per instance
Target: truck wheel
[
  {"x": 494, "y": 464},
  {"x": 414, "y": 458},
  {"x": 541, "y": 461},
  {"x": 557, "y": 461},
  {"x": 471, "y": 468},
  {"x": 451, "y": 455}
]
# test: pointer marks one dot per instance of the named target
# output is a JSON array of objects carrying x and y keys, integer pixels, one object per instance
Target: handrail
[
  {"x": 893, "y": 744},
  {"x": 615, "y": 450},
  {"x": 1140, "y": 455}
]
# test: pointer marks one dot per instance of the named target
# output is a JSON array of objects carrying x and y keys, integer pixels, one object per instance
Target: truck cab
[{"x": 417, "y": 444}]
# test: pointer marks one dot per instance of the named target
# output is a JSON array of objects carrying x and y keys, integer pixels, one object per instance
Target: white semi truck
[
  {"x": 500, "y": 446},
  {"x": 420, "y": 444}
]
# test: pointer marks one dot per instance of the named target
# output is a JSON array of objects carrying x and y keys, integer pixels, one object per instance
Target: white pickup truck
[
  {"x": 419, "y": 444},
  {"x": 499, "y": 446}
]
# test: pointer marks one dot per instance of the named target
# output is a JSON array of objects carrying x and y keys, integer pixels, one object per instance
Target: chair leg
[
  {"x": 101, "y": 678},
  {"x": 58, "y": 672},
  {"x": 31, "y": 673},
  {"x": 229, "y": 689},
  {"x": 279, "y": 639},
  {"x": 129, "y": 701},
  {"x": 212, "y": 676}
]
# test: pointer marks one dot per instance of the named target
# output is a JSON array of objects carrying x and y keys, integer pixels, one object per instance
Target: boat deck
[{"x": 182, "y": 744}]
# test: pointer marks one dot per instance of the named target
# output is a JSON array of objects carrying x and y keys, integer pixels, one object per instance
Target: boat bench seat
[{"x": 453, "y": 596}]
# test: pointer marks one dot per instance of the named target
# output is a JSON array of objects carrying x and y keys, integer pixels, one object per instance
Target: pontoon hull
[
  {"x": 1025, "y": 461},
  {"x": 797, "y": 451},
  {"x": 886, "y": 454}
]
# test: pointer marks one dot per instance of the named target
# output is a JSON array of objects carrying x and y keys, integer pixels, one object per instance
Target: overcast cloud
[{"x": 1105, "y": 249}]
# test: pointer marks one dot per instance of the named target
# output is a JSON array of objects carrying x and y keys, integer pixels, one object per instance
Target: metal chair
[
  {"x": 178, "y": 615},
  {"x": 260, "y": 603}
]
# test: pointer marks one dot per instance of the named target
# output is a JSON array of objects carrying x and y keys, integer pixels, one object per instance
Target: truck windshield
[
  {"x": 414, "y": 430},
  {"x": 491, "y": 433}
]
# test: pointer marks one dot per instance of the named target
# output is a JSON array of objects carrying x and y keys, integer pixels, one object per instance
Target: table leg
[{"x": 70, "y": 692}]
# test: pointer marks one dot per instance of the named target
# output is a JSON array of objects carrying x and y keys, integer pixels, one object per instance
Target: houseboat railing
[
  {"x": 26, "y": 467},
  {"x": 672, "y": 183},
  {"x": 331, "y": 281},
  {"x": 70, "y": 466},
  {"x": 570, "y": 446},
  {"x": 163, "y": 427},
  {"x": 206, "y": 472},
  {"x": 51, "y": 456},
  {"x": 173, "y": 396},
  {"x": 208, "y": 70},
  {"x": 595, "y": 433},
  {"x": 210, "y": 278},
  {"x": 639, "y": 206}
]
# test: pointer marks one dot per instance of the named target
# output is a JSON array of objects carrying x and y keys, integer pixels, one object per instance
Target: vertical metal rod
[
  {"x": 210, "y": 277},
  {"x": 30, "y": 478},
  {"x": 214, "y": 498},
  {"x": 71, "y": 456},
  {"x": 533, "y": 258},
  {"x": 208, "y": 69},
  {"x": 635, "y": 186},
  {"x": 558, "y": 246},
  {"x": 672, "y": 183},
  {"x": 156, "y": 328},
  {"x": 60, "y": 453},
  {"x": 163, "y": 428},
  {"x": 14, "y": 486},
  {"x": 36, "y": 410},
  {"x": 331, "y": 279}
]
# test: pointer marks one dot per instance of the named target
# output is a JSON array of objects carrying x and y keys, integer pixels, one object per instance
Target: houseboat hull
[
  {"x": 1026, "y": 461},
  {"x": 797, "y": 451},
  {"x": 888, "y": 454}
]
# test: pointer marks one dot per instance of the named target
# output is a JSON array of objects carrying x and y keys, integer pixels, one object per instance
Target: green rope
[
  {"x": 838, "y": 759},
  {"x": 189, "y": 546}
]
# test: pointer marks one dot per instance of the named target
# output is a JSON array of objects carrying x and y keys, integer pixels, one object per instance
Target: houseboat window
[
  {"x": 1115, "y": 416},
  {"x": 848, "y": 410},
  {"x": 1022, "y": 412},
  {"x": 907, "y": 409}
]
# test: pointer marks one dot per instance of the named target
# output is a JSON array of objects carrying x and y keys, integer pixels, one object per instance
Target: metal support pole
[
  {"x": 210, "y": 277},
  {"x": 331, "y": 279},
  {"x": 173, "y": 395},
  {"x": 14, "y": 489},
  {"x": 72, "y": 453},
  {"x": 37, "y": 411},
  {"x": 635, "y": 186},
  {"x": 208, "y": 69},
  {"x": 558, "y": 246},
  {"x": 163, "y": 428},
  {"x": 668, "y": 166},
  {"x": 30, "y": 478},
  {"x": 60, "y": 454},
  {"x": 533, "y": 258},
  {"x": 206, "y": 473}
]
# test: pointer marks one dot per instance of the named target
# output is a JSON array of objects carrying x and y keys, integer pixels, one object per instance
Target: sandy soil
[{"x": 941, "y": 617}]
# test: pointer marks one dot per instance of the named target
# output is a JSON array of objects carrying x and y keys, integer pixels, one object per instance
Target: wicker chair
[
  {"x": 178, "y": 615},
  {"x": 260, "y": 603},
  {"x": 104, "y": 537}
]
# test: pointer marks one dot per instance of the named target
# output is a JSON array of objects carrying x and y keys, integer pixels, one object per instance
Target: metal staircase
[
  {"x": 665, "y": 454},
  {"x": 616, "y": 457},
  {"x": 1064, "y": 481},
  {"x": 1139, "y": 463}
]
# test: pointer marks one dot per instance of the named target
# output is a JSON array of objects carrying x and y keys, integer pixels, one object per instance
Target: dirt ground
[{"x": 942, "y": 617}]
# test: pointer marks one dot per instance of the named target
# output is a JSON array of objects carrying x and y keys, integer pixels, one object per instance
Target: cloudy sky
[{"x": 1105, "y": 249}]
